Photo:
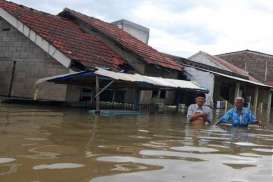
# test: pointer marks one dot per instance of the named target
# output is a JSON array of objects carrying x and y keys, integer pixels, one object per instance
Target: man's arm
[
  {"x": 253, "y": 119},
  {"x": 197, "y": 115},
  {"x": 226, "y": 118},
  {"x": 191, "y": 115}
]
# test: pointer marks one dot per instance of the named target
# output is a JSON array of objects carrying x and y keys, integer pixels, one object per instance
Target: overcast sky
[{"x": 183, "y": 27}]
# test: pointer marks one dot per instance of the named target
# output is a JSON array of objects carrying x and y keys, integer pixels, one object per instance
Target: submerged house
[
  {"x": 225, "y": 81},
  {"x": 36, "y": 44}
]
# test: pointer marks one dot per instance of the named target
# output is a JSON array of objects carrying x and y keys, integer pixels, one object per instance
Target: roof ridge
[
  {"x": 110, "y": 24},
  {"x": 26, "y": 7},
  {"x": 124, "y": 39},
  {"x": 246, "y": 51},
  {"x": 221, "y": 62}
]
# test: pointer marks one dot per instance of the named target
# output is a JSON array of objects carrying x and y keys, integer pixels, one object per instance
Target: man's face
[
  {"x": 200, "y": 101},
  {"x": 239, "y": 103}
]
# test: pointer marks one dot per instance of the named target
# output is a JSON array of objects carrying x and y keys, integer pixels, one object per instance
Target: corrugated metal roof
[
  {"x": 137, "y": 78},
  {"x": 157, "y": 81},
  {"x": 241, "y": 79}
]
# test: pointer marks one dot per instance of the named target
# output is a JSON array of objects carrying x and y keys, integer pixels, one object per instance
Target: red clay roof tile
[
  {"x": 150, "y": 55},
  {"x": 66, "y": 36}
]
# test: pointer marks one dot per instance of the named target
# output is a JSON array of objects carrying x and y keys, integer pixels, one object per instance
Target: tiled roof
[
  {"x": 66, "y": 36},
  {"x": 125, "y": 40}
]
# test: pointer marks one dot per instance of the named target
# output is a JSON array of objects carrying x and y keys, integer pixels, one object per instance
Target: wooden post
[
  {"x": 256, "y": 96},
  {"x": 269, "y": 104},
  {"x": 226, "y": 105},
  {"x": 177, "y": 99},
  {"x": 158, "y": 94},
  {"x": 237, "y": 90},
  {"x": 36, "y": 93},
  {"x": 114, "y": 96},
  {"x": 136, "y": 100},
  {"x": 97, "y": 95}
]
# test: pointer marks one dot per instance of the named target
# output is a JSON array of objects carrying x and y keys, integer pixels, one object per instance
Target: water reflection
[{"x": 55, "y": 144}]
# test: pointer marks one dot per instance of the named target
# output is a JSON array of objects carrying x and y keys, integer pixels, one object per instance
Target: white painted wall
[
  {"x": 140, "y": 35},
  {"x": 203, "y": 58},
  {"x": 204, "y": 79},
  {"x": 137, "y": 31}
]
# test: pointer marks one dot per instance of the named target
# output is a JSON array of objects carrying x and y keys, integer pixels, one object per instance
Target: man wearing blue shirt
[{"x": 239, "y": 116}]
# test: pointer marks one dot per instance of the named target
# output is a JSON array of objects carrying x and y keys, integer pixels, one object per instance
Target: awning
[
  {"x": 137, "y": 80},
  {"x": 236, "y": 78},
  {"x": 241, "y": 79}
]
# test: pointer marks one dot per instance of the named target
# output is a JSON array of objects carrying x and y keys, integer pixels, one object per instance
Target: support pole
[
  {"x": 97, "y": 95},
  {"x": 36, "y": 93},
  {"x": 256, "y": 96},
  {"x": 269, "y": 105},
  {"x": 136, "y": 100},
  {"x": 158, "y": 94},
  {"x": 237, "y": 90},
  {"x": 226, "y": 105}
]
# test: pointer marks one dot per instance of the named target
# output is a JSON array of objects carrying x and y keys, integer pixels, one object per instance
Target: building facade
[
  {"x": 258, "y": 64},
  {"x": 36, "y": 44},
  {"x": 226, "y": 81}
]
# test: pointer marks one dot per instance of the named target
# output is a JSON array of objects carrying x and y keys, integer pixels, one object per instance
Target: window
[
  {"x": 85, "y": 95},
  {"x": 163, "y": 94}
]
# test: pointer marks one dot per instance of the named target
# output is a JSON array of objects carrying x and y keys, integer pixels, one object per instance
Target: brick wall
[
  {"x": 31, "y": 63},
  {"x": 254, "y": 63}
]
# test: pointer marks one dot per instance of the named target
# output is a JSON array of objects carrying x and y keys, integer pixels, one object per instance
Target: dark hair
[{"x": 200, "y": 95}]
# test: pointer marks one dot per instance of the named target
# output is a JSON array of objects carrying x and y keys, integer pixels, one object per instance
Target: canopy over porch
[
  {"x": 121, "y": 80},
  {"x": 102, "y": 79}
]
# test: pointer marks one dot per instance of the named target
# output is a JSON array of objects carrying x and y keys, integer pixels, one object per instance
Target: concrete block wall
[
  {"x": 254, "y": 63},
  {"x": 5, "y": 76},
  {"x": 31, "y": 63}
]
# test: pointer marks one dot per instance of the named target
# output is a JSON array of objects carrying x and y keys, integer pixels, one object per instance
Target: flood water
[{"x": 64, "y": 145}]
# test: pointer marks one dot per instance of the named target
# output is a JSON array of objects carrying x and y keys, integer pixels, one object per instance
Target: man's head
[
  {"x": 200, "y": 99},
  {"x": 239, "y": 102}
]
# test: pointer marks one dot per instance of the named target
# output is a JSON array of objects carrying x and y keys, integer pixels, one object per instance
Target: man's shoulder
[
  {"x": 246, "y": 109},
  {"x": 207, "y": 108},
  {"x": 192, "y": 106},
  {"x": 231, "y": 110}
]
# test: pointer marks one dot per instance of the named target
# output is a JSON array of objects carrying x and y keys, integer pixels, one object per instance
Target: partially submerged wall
[{"x": 22, "y": 63}]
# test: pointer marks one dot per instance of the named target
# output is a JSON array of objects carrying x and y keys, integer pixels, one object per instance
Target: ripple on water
[
  {"x": 250, "y": 155},
  {"x": 6, "y": 160},
  {"x": 213, "y": 138},
  {"x": 143, "y": 131},
  {"x": 129, "y": 167},
  {"x": 36, "y": 139},
  {"x": 246, "y": 144},
  {"x": 194, "y": 149},
  {"x": 266, "y": 150},
  {"x": 241, "y": 160},
  {"x": 58, "y": 166}
]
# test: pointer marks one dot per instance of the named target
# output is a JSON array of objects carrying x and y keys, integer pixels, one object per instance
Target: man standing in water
[
  {"x": 198, "y": 113},
  {"x": 239, "y": 116}
]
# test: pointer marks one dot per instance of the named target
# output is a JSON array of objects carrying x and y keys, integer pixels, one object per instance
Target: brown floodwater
[{"x": 43, "y": 144}]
